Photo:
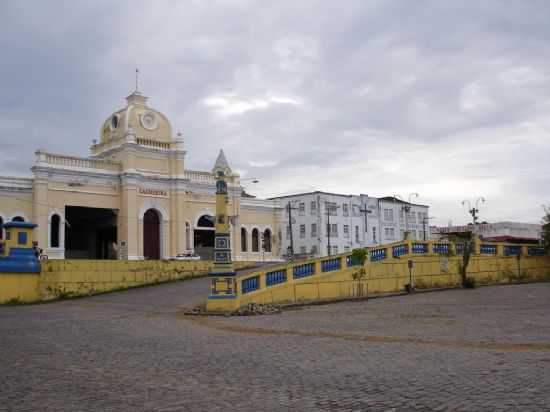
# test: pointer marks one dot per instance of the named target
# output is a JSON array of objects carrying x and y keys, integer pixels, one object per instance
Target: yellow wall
[
  {"x": 19, "y": 287},
  {"x": 63, "y": 278},
  {"x": 387, "y": 276},
  {"x": 87, "y": 277}
]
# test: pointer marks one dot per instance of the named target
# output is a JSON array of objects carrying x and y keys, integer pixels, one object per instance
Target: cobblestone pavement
[{"x": 486, "y": 349}]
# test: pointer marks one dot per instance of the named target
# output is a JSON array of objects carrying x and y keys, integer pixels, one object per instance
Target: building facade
[
  {"x": 133, "y": 198},
  {"x": 515, "y": 232},
  {"x": 322, "y": 223}
]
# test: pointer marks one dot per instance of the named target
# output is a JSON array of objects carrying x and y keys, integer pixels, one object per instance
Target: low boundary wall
[
  {"x": 71, "y": 278},
  {"x": 435, "y": 265}
]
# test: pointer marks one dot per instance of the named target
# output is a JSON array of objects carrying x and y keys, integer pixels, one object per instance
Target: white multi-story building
[
  {"x": 321, "y": 223},
  {"x": 398, "y": 217}
]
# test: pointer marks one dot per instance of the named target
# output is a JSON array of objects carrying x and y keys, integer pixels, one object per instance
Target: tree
[
  {"x": 546, "y": 229},
  {"x": 358, "y": 258}
]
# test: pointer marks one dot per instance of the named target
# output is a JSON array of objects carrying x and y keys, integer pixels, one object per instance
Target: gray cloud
[{"x": 380, "y": 97}]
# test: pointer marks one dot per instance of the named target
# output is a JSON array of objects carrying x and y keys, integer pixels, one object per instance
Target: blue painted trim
[
  {"x": 221, "y": 297},
  {"x": 26, "y": 225},
  {"x": 222, "y": 273},
  {"x": 20, "y": 260}
]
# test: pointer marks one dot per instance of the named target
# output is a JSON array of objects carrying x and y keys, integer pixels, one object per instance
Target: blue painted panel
[
  {"x": 488, "y": 249},
  {"x": 250, "y": 284},
  {"x": 512, "y": 250},
  {"x": 303, "y": 271},
  {"x": 330, "y": 265},
  {"x": 275, "y": 277},
  {"x": 400, "y": 250},
  {"x": 419, "y": 248},
  {"x": 377, "y": 255},
  {"x": 535, "y": 251},
  {"x": 441, "y": 248}
]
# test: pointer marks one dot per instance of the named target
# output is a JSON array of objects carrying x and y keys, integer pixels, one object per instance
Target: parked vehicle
[{"x": 190, "y": 255}]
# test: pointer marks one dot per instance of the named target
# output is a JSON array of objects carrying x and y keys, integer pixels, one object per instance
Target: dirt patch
[{"x": 497, "y": 346}]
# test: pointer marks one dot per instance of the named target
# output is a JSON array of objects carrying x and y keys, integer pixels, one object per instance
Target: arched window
[
  {"x": 1, "y": 229},
  {"x": 18, "y": 219},
  {"x": 267, "y": 240},
  {"x": 206, "y": 221},
  {"x": 255, "y": 240},
  {"x": 244, "y": 240},
  {"x": 54, "y": 231}
]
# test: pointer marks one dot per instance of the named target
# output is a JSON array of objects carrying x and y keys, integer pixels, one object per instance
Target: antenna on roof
[{"x": 137, "y": 75}]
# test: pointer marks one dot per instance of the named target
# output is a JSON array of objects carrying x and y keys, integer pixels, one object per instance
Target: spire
[
  {"x": 136, "y": 97},
  {"x": 137, "y": 76},
  {"x": 221, "y": 164}
]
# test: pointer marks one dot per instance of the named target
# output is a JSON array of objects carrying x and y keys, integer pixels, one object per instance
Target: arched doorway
[
  {"x": 151, "y": 234},
  {"x": 204, "y": 237}
]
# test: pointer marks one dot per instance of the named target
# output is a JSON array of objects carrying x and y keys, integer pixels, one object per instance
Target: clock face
[{"x": 149, "y": 120}]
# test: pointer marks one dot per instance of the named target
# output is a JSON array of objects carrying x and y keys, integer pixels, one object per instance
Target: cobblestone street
[{"x": 486, "y": 349}]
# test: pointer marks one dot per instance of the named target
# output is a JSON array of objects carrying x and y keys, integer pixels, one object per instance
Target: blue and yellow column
[{"x": 223, "y": 293}]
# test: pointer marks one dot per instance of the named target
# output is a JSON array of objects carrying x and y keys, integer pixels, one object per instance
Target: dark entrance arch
[
  {"x": 204, "y": 237},
  {"x": 151, "y": 234}
]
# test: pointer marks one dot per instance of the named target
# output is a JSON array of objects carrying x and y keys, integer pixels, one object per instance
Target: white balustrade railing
[{"x": 78, "y": 162}]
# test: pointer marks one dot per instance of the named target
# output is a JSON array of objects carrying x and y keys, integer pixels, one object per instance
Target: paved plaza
[{"x": 486, "y": 349}]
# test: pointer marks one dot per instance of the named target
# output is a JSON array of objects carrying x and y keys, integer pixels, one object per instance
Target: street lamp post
[
  {"x": 424, "y": 220},
  {"x": 408, "y": 210},
  {"x": 290, "y": 251},
  {"x": 328, "y": 208},
  {"x": 474, "y": 211}
]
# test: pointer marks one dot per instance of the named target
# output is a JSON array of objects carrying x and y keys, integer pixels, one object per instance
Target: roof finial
[{"x": 137, "y": 74}]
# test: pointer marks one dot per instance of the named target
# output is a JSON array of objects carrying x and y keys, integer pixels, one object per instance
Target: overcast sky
[{"x": 447, "y": 99}]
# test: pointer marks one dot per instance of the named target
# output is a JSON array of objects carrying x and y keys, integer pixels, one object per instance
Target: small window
[
  {"x": 314, "y": 250},
  {"x": 267, "y": 240},
  {"x": 314, "y": 230},
  {"x": 303, "y": 250},
  {"x": 345, "y": 209},
  {"x": 302, "y": 231},
  {"x": 313, "y": 207},
  {"x": 22, "y": 238},
  {"x": 346, "y": 230},
  {"x": 255, "y": 240},
  {"x": 302, "y": 209}
]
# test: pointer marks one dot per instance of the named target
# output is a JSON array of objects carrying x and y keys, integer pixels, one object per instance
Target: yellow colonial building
[{"x": 133, "y": 198}]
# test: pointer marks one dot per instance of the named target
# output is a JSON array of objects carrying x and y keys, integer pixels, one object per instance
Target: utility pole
[
  {"x": 328, "y": 208},
  {"x": 424, "y": 219},
  {"x": 290, "y": 251}
]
